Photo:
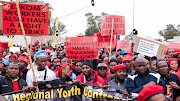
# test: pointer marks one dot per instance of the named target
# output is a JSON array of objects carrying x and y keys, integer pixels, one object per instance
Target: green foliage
[
  {"x": 169, "y": 32},
  {"x": 91, "y": 25}
]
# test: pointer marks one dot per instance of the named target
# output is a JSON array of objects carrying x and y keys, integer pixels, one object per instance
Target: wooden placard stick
[
  {"x": 111, "y": 39},
  {"x": 22, "y": 27},
  {"x": 56, "y": 38},
  {"x": 30, "y": 52},
  {"x": 97, "y": 25}
]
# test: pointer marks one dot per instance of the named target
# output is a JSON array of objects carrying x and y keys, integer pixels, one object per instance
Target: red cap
[
  {"x": 127, "y": 58},
  {"x": 58, "y": 60},
  {"x": 24, "y": 58},
  {"x": 33, "y": 45},
  {"x": 119, "y": 67},
  {"x": 2, "y": 48},
  {"x": 34, "y": 49},
  {"x": 148, "y": 91},
  {"x": 13, "y": 56},
  {"x": 61, "y": 68},
  {"x": 172, "y": 59}
]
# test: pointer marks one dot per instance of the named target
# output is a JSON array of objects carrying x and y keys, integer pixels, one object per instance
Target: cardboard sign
[
  {"x": 14, "y": 49},
  {"x": 82, "y": 48},
  {"x": 150, "y": 48},
  {"x": 124, "y": 45},
  {"x": 118, "y": 27},
  {"x": 104, "y": 41},
  {"x": 4, "y": 45},
  {"x": 174, "y": 45},
  {"x": 34, "y": 18}
]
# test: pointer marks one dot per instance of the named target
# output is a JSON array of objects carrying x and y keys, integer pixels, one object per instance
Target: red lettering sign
[
  {"x": 34, "y": 18},
  {"x": 124, "y": 45},
  {"x": 4, "y": 45},
  {"x": 104, "y": 41},
  {"x": 82, "y": 48},
  {"x": 118, "y": 28},
  {"x": 174, "y": 45}
]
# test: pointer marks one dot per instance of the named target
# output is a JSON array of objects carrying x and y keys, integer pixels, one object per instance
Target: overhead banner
[
  {"x": 118, "y": 27},
  {"x": 82, "y": 48},
  {"x": 174, "y": 45},
  {"x": 124, "y": 45},
  {"x": 34, "y": 18},
  {"x": 104, "y": 41},
  {"x": 74, "y": 93}
]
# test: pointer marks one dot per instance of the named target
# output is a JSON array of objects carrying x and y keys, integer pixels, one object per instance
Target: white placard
[
  {"x": 14, "y": 49},
  {"x": 147, "y": 48}
]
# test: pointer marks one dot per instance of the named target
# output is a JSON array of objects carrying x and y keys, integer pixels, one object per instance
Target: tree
[
  {"x": 91, "y": 25},
  {"x": 61, "y": 27},
  {"x": 169, "y": 32}
]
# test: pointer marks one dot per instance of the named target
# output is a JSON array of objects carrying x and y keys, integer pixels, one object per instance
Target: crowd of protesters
[{"x": 124, "y": 72}]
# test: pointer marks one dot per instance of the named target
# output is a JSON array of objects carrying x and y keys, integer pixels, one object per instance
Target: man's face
[
  {"x": 162, "y": 67},
  {"x": 86, "y": 70},
  {"x": 121, "y": 74},
  {"x": 41, "y": 62},
  {"x": 111, "y": 66},
  {"x": 64, "y": 61},
  {"x": 61, "y": 54},
  {"x": 13, "y": 70},
  {"x": 54, "y": 62},
  {"x": 120, "y": 58},
  {"x": 22, "y": 64},
  {"x": 78, "y": 67},
  {"x": 141, "y": 66},
  {"x": 157, "y": 97},
  {"x": 170, "y": 52},
  {"x": 57, "y": 65},
  {"x": 68, "y": 71},
  {"x": 105, "y": 60},
  {"x": 127, "y": 64},
  {"x": 12, "y": 60},
  {"x": 167, "y": 57},
  {"x": 153, "y": 65},
  {"x": 18, "y": 54},
  {"x": 102, "y": 71}
]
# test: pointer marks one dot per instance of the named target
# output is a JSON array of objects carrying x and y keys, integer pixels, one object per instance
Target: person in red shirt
[
  {"x": 102, "y": 71},
  {"x": 89, "y": 76}
]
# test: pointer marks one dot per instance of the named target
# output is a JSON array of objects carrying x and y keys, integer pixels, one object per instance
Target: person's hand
[
  {"x": 75, "y": 82},
  {"x": 35, "y": 83},
  {"x": 69, "y": 83},
  {"x": 124, "y": 92},
  {"x": 102, "y": 86},
  {"x": 48, "y": 86},
  {"x": 25, "y": 89},
  {"x": 31, "y": 88},
  {"x": 150, "y": 83},
  {"x": 174, "y": 85}
]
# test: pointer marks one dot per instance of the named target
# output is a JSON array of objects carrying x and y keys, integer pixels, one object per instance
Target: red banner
[
  {"x": 34, "y": 18},
  {"x": 104, "y": 41},
  {"x": 124, "y": 45},
  {"x": 82, "y": 48},
  {"x": 118, "y": 27},
  {"x": 174, "y": 45},
  {"x": 4, "y": 45}
]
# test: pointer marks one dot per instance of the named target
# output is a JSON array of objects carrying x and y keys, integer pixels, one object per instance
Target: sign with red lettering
[
  {"x": 118, "y": 27},
  {"x": 124, "y": 45},
  {"x": 174, "y": 45},
  {"x": 34, "y": 18},
  {"x": 4, "y": 45},
  {"x": 82, "y": 48},
  {"x": 104, "y": 41}
]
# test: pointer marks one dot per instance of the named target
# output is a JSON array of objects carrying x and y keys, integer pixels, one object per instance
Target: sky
[{"x": 150, "y": 16}]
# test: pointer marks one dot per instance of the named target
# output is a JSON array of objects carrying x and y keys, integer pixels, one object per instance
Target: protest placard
[
  {"x": 4, "y": 45},
  {"x": 149, "y": 47},
  {"x": 118, "y": 26},
  {"x": 14, "y": 49},
  {"x": 104, "y": 41},
  {"x": 124, "y": 45},
  {"x": 174, "y": 45},
  {"x": 34, "y": 18},
  {"x": 82, "y": 48}
]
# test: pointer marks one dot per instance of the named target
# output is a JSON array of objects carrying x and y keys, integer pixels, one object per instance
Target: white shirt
[{"x": 39, "y": 75}]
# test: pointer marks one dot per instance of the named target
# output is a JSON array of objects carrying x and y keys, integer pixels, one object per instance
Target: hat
[
  {"x": 24, "y": 58},
  {"x": 102, "y": 65},
  {"x": 63, "y": 66},
  {"x": 34, "y": 49},
  {"x": 172, "y": 59},
  {"x": 40, "y": 54},
  {"x": 119, "y": 67},
  {"x": 123, "y": 52},
  {"x": 127, "y": 58},
  {"x": 149, "y": 91},
  {"x": 13, "y": 56},
  {"x": 24, "y": 53},
  {"x": 58, "y": 60},
  {"x": 87, "y": 62},
  {"x": 6, "y": 62},
  {"x": 134, "y": 57}
]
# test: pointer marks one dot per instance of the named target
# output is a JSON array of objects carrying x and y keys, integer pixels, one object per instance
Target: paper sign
[
  {"x": 174, "y": 45},
  {"x": 150, "y": 47},
  {"x": 82, "y": 48},
  {"x": 124, "y": 45},
  {"x": 4, "y": 45},
  {"x": 118, "y": 27},
  {"x": 14, "y": 49},
  {"x": 34, "y": 18}
]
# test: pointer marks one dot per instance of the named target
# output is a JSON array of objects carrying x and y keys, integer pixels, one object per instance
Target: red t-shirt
[{"x": 15, "y": 86}]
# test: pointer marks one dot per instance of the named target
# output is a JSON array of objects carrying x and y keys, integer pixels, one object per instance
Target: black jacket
[
  {"x": 6, "y": 84},
  {"x": 24, "y": 74}
]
